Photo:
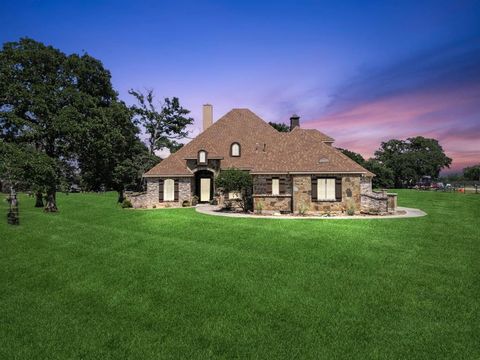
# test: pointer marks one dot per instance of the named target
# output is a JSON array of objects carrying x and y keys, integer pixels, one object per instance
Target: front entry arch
[{"x": 204, "y": 187}]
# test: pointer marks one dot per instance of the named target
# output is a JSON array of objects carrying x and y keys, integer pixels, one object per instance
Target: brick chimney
[
  {"x": 294, "y": 121},
  {"x": 207, "y": 116}
]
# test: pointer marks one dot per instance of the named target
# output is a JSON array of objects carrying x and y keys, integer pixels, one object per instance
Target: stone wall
[
  {"x": 376, "y": 201},
  {"x": 365, "y": 185},
  {"x": 302, "y": 196},
  {"x": 272, "y": 203},
  {"x": 184, "y": 189},
  {"x": 147, "y": 199},
  {"x": 260, "y": 186},
  {"x": 392, "y": 202},
  {"x": 150, "y": 198},
  {"x": 350, "y": 198},
  {"x": 302, "y": 192}
]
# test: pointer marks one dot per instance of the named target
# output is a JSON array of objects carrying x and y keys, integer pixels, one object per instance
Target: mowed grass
[{"x": 98, "y": 282}]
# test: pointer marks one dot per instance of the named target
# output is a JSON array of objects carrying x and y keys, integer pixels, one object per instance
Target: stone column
[{"x": 302, "y": 192}]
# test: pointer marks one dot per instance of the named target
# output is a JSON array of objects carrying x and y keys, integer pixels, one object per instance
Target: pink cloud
[{"x": 451, "y": 116}]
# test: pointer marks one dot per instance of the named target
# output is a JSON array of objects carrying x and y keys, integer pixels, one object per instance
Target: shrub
[
  {"x": 185, "y": 203},
  {"x": 302, "y": 208},
  {"x": 235, "y": 180},
  {"x": 194, "y": 200},
  {"x": 259, "y": 207},
  {"x": 351, "y": 209},
  {"x": 127, "y": 204},
  {"x": 228, "y": 205}
]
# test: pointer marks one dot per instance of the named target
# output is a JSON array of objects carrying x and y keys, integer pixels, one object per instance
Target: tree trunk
[
  {"x": 38, "y": 199},
  {"x": 51, "y": 205},
  {"x": 121, "y": 196}
]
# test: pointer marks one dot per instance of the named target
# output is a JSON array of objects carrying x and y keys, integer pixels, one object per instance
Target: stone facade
[
  {"x": 376, "y": 201},
  {"x": 262, "y": 196},
  {"x": 365, "y": 185},
  {"x": 260, "y": 186},
  {"x": 302, "y": 192},
  {"x": 272, "y": 203},
  {"x": 302, "y": 196},
  {"x": 296, "y": 196},
  {"x": 185, "y": 190},
  {"x": 150, "y": 198},
  {"x": 350, "y": 198},
  {"x": 392, "y": 202}
]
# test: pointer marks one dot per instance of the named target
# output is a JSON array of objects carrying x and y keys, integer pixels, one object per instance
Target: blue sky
[{"x": 362, "y": 72}]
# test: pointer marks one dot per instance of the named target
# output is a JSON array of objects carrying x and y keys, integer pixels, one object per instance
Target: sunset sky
[{"x": 362, "y": 72}]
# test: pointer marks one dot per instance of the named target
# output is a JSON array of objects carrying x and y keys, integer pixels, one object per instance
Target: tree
[
  {"x": 47, "y": 97},
  {"x": 235, "y": 180},
  {"x": 24, "y": 166},
  {"x": 472, "y": 173},
  {"x": 280, "y": 126},
  {"x": 359, "y": 159},
  {"x": 164, "y": 126},
  {"x": 412, "y": 158},
  {"x": 112, "y": 155},
  {"x": 384, "y": 177}
]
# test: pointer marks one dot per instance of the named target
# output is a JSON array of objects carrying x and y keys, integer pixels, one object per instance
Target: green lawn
[{"x": 98, "y": 282}]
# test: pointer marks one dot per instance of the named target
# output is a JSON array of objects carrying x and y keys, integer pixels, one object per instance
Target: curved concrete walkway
[{"x": 214, "y": 210}]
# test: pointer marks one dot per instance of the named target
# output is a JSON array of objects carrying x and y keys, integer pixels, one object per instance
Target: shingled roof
[{"x": 263, "y": 149}]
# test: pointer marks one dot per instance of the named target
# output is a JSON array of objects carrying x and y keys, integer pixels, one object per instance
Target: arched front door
[{"x": 204, "y": 185}]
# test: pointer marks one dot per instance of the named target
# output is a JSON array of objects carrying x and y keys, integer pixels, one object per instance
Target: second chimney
[
  {"x": 207, "y": 116},
  {"x": 294, "y": 121}
]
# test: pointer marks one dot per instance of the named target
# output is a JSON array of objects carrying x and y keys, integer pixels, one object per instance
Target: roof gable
[{"x": 263, "y": 148}]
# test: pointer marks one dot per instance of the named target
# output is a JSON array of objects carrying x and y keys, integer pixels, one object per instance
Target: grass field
[{"x": 98, "y": 282}]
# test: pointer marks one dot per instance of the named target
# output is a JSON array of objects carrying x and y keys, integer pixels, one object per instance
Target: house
[{"x": 291, "y": 171}]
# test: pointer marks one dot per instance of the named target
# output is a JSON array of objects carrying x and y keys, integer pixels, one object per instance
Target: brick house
[{"x": 296, "y": 170}]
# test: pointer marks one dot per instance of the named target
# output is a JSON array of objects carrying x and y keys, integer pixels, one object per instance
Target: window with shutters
[
  {"x": 326, "y": 189},
  {"x": 202, "y": 157},
  {"x": 275, "y": 186},
  {"x": 235, "y": 150},
  {"x": 169, "y": 190}
]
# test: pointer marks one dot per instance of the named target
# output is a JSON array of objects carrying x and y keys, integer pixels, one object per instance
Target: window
[
  {"x": 275, "y": 186},
  {"x": 326, "y": 189},
  {"x": 202, "y": 157},
  {"x": 235, "y": 149},
  {"x": 169, "y": 190}
]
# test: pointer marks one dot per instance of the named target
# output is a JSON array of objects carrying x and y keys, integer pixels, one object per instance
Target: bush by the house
[
  {"x": 235, "y": 180},
  {"x": 126, "y": 204}
]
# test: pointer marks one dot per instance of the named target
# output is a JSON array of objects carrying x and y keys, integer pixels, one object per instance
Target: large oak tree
[
  {"x": 164, "y": 123},
  {"x": 65, "y": 108}
]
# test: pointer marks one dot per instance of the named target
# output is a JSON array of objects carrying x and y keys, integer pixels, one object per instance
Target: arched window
[
  {"x": 169, "y": 190},
  {"x": 235, "y": 149},
  {"x": 202, "y": 157}
]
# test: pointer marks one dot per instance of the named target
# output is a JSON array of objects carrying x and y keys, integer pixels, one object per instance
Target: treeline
[
  {"x": 469, "y": 174},
  {"x": 402, "y": 163},
  {"x": 61, "y": 122}
]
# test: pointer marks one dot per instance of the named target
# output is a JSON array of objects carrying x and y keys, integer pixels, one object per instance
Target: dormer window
[
  {"x": 202, "y": 157},
  {"x": 235, "y": 150}
]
